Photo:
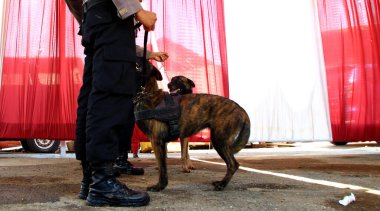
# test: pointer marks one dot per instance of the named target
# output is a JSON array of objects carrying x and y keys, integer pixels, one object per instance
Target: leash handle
[{"x": 144, "y": 71}]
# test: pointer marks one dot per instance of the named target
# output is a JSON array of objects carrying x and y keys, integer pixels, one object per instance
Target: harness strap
[
  {"x": 163, "y": 114},
  {"x": 167, "y": 111}
]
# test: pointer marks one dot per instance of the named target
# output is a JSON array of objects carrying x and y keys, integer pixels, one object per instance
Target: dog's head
[
  {"x": 181, "y": 85},
  {"x": 147, "y": 81}
]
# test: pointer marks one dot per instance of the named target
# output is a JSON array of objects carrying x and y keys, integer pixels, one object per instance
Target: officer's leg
[
  {"x": 111, "y": 94},
  {"x": 80, "y": 130},
  {"x": 105, "y": 115},
  {"x": 122, "y": 165}
]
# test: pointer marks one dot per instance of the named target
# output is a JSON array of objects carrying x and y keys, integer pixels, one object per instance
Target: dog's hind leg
[
  {"x": 232, "y": 166},
  {"x": 186, "y": 162},
  {"x": 159, "y": 148}
]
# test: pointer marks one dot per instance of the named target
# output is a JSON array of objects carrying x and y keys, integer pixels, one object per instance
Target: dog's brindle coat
[{"x": 229, "y": 127}]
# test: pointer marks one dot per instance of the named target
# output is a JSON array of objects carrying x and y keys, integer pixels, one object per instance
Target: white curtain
[{"x": 276, "y": 69}]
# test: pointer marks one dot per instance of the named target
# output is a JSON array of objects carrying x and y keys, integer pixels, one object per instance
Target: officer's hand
[
  {"x": 159, "y": 56},
  {"x": 147, "y": 19}
]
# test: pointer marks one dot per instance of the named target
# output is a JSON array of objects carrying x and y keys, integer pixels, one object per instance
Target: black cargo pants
[{"x": 105, "y": 117}]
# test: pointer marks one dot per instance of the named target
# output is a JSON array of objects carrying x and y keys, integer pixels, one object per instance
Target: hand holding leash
[{"x": 147, "y": 18}]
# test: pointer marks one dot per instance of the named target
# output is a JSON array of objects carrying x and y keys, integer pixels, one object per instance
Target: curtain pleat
[
  {"x": 42, "y": 71},
  {"x": 193, "y": 34},
  {"x": 43, "y": 60},
  {"x": 351, "y": 43}
]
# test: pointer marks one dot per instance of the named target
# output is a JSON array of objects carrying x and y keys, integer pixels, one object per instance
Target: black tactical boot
[
  {"x": 86, "y": 181},
  {"x": 105, "y": 189},
  {"x": 123, "y": 166}
]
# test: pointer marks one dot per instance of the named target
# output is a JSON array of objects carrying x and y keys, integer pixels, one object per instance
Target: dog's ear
[
  {"x": 153, "y": 71},
  {"x": 156, "y": 73},
  {"x": 192, "y": 84}
]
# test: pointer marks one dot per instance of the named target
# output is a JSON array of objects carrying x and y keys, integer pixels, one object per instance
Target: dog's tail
[{"x": 242, "y": 139}]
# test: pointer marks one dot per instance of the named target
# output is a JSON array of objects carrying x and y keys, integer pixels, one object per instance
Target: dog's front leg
[
  {"x": 159, "y": 148},
  {"x": 186, "y": 162}
]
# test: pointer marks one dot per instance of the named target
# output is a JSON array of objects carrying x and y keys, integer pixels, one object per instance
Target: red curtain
[
  {"x": 43, "y": 60},
  {"x": 351, "y": 43},
  {"x": 42, "y": 71},
  {"x": 193, "y": 34}
]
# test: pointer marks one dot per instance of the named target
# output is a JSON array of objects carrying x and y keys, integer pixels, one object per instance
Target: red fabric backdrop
[
  {"x": 43, "y": 60},
  {"x": 351, "y": 43},
  {"x": 193, "y": 34},
  {"x": 42, "y": 71}
]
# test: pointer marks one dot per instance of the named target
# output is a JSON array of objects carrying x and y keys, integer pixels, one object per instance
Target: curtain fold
[
  {"x": 43, "y": 60},
  {"x": 193, "y": 34},
  {"x": 351, "y": 44},
  {"x": 42, "y": 71}
]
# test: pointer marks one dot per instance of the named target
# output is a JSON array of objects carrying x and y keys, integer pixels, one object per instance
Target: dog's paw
[
  {"x": 187, "y": 167},
  {"x": 190, "y": 166},
  {"x": 185, "y": 170},
  {"x": 219, "y": 185},
  {"x": 155, "y": 188}
]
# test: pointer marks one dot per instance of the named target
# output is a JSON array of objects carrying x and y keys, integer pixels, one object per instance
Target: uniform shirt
[{"x": 126, "y": 8}]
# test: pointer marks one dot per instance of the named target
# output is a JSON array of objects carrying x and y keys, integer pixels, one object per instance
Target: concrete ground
[{"x": 299, "y": 176}]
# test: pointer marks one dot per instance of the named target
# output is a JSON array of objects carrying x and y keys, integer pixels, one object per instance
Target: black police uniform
[
  {"x": 110, "y": 51},
  {"x": 105, "y": 107},
  {"x": 105, "y": 110}
]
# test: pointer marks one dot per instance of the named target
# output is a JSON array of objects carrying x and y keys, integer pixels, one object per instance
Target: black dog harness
[{"x": 167, "y": 111}]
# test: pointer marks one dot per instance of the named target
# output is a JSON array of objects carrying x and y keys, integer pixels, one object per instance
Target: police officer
[{"x": 106, "y": 95}]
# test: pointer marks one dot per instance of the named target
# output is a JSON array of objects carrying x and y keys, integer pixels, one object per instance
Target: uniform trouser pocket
[
  {"x": 112, "y": 42},
  {"x": 115, "y": 70}
]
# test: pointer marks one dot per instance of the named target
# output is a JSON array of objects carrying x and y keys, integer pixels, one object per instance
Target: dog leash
[{"x": 144, "y": 71}]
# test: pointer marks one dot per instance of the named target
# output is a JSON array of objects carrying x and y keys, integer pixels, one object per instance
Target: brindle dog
[
  {"x": 229, "y": 126},
  {"x": 182, "y": 85}
]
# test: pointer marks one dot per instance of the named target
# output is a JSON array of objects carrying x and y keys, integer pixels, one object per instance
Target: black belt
[{"x": 87, "y": 4}]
